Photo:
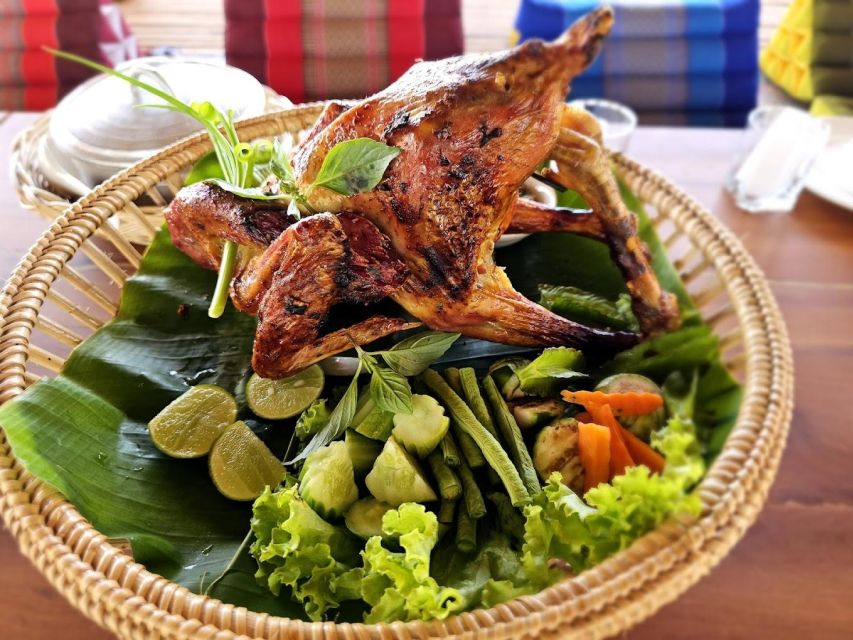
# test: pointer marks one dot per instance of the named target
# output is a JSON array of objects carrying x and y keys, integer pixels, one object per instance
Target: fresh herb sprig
[
  {"x": 389, "y": 387},
  {"x": 350, "y": 167}
]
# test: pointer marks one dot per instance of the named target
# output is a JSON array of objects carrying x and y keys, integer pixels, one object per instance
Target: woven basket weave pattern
[{"x": 103, "y": 582}]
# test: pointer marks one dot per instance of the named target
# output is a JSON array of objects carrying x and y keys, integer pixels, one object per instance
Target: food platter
[{"x": 98, "y": 578}]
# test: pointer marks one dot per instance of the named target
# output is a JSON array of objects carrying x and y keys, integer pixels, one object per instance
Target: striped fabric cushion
[{"x": 310, "y": 50}]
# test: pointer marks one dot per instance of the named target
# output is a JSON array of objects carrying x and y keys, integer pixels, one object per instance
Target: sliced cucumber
[
  {"x": 364, "y": 517},
  {"x": 362, "y": 451},
  {"x": 422, "y": 430},
  {"x": 327, "y": 481},
  {"x": 396, "y": 477},
  {"x": 537, "y": 413},
  {"x": 372, "y": 421}
]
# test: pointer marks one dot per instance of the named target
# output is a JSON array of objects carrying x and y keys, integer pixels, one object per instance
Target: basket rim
[{"x": 676, "y": 554}]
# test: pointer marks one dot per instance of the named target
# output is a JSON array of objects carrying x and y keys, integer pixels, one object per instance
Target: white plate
[
  {"x": 831, "y": 177},
  {"x": 539, "y": 192}
]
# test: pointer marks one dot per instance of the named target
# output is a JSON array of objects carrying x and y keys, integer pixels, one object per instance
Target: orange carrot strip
[
  {"x": 594, "y": 453},
  {"x": 620, "y": 459},
  {"x": 583, "y": 417},
  {"x": 629, "y": 403},
  {"x": 642, "y": 453}
]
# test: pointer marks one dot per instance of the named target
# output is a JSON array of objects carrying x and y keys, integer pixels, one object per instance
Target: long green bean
[
  {"x": 471, "y": 494},
  {"x": 450, "y": 450},
  {"x": 490, "y": 447},
  {"x": 447, "y": 511},
  {"x": 512, "y": 436},
  {"x": 449, "y": 486},
  {"x": 471, "y": 391},
  {"x": 469, "y": 447},
  {"x": 466, "y": 530}
]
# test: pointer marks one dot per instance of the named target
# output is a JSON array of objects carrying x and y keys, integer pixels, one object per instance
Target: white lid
[{"x": 97, "y": 130}]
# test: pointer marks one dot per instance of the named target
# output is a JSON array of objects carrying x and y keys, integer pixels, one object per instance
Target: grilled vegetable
[
  {"x": 640, "y": 426},
  {"x": 556, "y": 449},
  {"x": 396, "y": 477},
  {"x": 536, "y": 413},
  {"x": 327, "y": 480},
  {"x": 503, "y": 373},
  {"x": 422, "y": 430},
  {"x": 588, "y": 308}
]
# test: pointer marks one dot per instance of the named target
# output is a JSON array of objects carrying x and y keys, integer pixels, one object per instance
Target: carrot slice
[
  {"x": 642, "y": 453},
  {"x": 594, "y": 453},
  {"x": 628, "y": 403},
  {"x": 620, "y": 459}
]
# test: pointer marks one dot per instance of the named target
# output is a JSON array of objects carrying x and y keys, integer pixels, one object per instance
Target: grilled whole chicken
[{"x": 471, "y": 130}]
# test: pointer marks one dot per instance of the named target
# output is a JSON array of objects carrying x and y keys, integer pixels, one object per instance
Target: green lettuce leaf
[
  {"x": 296, "y": 548},
  {"x": 398, "y": 585}
]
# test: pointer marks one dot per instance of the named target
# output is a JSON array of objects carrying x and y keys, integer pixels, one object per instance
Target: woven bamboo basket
[{"x": 68, "y": 285}]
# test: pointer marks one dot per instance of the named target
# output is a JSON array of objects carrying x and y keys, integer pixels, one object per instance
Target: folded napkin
[
  {"x": 345, "y": 9},
  {"x": 636, "y": 19},
  {"x": 437, "y": 36},
  {"x": 734, "y": 92},
  {"x": 677, "y": 56}
]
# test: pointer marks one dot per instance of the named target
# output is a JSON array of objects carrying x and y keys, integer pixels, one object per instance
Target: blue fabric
[
  {"x": 735, "y": 92},
  {"x": 549, "y": 18},
  {"x": 710, "y": 118},
  {"x": 676, "y": 56}
]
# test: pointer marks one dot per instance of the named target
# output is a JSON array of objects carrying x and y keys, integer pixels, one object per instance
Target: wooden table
[{"x": 792, "y": 575}]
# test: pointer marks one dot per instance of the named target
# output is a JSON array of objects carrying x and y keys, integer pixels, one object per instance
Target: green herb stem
[
  {"x": 488, "y": 444},
  {"x": 512, "y": 436},
  {"x": 449, "y": 486},
  {"x": 223, "y": 280}
]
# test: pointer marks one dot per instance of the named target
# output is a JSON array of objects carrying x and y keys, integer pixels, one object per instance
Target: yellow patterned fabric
[{"x": 786, "y": 60}]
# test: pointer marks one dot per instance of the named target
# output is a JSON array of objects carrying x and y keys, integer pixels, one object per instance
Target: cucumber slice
[
  {"x": 370, "y": 420},
  {"x": 421, "y": 431},
  {"x": 327, "y": 481},
  {"x": 364, "y": 517},
  {"x": 396, "y": 477},
  {"x": 362, "y": 451}
]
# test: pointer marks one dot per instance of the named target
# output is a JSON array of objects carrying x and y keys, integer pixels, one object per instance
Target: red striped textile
[{"x": 317, "y": 49}]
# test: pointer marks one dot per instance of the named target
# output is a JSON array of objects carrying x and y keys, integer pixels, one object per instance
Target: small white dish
[
  {"x": 617, "y": 120},
  {"x": 831, "y": 177},
  {"x": 532, "y": 189}
]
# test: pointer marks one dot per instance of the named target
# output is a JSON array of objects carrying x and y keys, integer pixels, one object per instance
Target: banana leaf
[{"x": 85, "y": 431}]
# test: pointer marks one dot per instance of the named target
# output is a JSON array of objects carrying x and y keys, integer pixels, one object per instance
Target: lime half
[
  {"x": 241, "y": 465},
  {"x": 188, "y": 427},
  {"x": 285, "y": 398}
]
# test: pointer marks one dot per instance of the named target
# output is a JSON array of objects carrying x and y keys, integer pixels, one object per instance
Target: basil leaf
[
  {"x": 390, "y": 391},
  {"x": 411, "y": 356},
  {"x": 355, "y": 166},
  {"x": 253, "y": 193},
  {"x": 339, "y": 420},
  {"x": 542, "y": 376}
]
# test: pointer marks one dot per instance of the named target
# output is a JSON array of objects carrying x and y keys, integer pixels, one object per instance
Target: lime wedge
[
  {"x": 285, "y": 398},
  {"x": 188, "y": 427},
  {"x": 241, "y": 465}
]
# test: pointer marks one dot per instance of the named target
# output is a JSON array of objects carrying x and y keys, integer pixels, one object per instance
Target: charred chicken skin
[{"x": 471, "y": 130}]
